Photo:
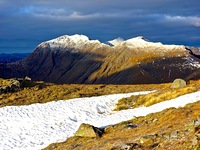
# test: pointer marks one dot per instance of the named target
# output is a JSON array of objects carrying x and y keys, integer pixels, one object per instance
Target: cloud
[
  {"x": 192, "y": 20},
  {"x": 70, "y": 14},
  {"x": 63, "y": 16}
]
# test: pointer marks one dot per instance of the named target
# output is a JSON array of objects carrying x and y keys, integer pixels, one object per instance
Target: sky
[{"x": 26, "y": 23}]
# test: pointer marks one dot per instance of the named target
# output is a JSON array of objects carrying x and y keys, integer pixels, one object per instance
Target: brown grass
[
  {"x": 67, "y": 91},
  {"x": 4, "y": 82},
  {"x": 157, "y": 96},
  {"x": 150, "y": 55}
]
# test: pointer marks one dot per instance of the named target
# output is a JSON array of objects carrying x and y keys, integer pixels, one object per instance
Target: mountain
[{"x": 77, "y": 59}]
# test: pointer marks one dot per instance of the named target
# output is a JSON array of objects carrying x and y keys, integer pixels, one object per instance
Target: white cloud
[
  {"x": 192, "y": 20},
  {"x": 72, "y": 16},
  {"x": 56, "y": 13}
]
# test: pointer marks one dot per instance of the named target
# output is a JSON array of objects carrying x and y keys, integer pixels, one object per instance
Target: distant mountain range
[
  {"x": 8, "y": 58},
  {"x": 77, "y": 59}
]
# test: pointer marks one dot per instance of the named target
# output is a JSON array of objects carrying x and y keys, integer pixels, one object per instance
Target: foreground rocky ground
[{"x": 170, "y": 129}]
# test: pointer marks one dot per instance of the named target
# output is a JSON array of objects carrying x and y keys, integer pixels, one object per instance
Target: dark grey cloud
[{"x": 25, "y": 24}]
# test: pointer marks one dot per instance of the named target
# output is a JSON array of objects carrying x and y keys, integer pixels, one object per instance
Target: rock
[
  {"x": 130, "y": 146},
  {"x": 87, "y": 130},
  {"x": 166, "y": 136},
  {"x": 131, "y": 125},
  {"x": 27, "y": 82},
  {"x": 196, "y": 143},
  {"x": 198, "y": 118},
  {"x": 4, "y": 89},
  {"x": 127, "y": 146},
  {"x": 148, "y": 140},
  {"x": 155, "y": 120},
  {"x": 27, "y": 78},
  {"x": 174, "y": 134},
  {"x": 144, "y": 141},
  {"x": 15, "y": 86},
  {"x": 178, "y": 83}
]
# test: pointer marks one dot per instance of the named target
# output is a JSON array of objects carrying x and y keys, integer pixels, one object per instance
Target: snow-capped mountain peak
[
  {"x": 70, "y": 41},
  {"x": 140, "y": 41},
  {"x": 81, "y": 42},
  {"x": 139, "y": 38},
  {"x": 75, "y": 38}
]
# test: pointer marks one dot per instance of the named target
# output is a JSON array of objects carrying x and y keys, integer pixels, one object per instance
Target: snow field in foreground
[{"x": 38, "y": 125}]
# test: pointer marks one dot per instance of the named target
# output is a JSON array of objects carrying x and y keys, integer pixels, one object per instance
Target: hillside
[{"x": 77, "y": 59}]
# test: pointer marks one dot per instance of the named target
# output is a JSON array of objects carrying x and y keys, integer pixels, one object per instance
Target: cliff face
[{"x": 76, "y": 59}]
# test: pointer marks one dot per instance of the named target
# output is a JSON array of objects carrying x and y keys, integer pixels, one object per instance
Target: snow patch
[
  {"x": 38, "y": 125},
  {"x": 190, "y": 62}
]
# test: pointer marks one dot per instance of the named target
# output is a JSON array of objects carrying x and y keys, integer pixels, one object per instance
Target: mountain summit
[
  {"x": 73, "y": 41},
  {"x": 77, "y": 59}
]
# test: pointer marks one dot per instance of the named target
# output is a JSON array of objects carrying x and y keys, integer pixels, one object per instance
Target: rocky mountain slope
[{"x": 77, "y": 59}]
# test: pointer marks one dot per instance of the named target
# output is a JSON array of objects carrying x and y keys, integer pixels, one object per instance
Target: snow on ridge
[
  {"x": 71, "y": 41},
  {"x": 140, "y": 41},
  {"x": 116, "y": 42},
  {"x": 74, "y": 38},
  {"x": 38, "y": 125},
  {"x": 80, "y": 41}
]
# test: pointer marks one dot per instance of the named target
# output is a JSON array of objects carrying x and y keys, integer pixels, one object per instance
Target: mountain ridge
[{"x": 77, "y": 59}]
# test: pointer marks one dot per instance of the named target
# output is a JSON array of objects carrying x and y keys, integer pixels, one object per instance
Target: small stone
[
  {"x": 155, "y": 120},
  {"x": 198, "y": 118},
  {"x": 166, "y": 136},
  {"x": 145, "y": 141},
  {"x": 196, "y": 143},
  {"x": 174, "y": 134},
  {"x": 130, "y": 125},
  {"x": 126, "y": 147},
  {"x": 129, "y": 146}
]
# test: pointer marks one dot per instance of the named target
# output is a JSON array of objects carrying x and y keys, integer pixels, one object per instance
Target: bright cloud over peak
[{"x": 192, "y": 20}]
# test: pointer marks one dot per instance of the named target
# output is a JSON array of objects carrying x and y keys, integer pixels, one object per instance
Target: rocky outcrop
[
  {"x": 87, "y": 130},
  {"x": 13, "y": 86},
  {"x": 17, "y": 84},
  {"x": 76, "y": 59}
]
